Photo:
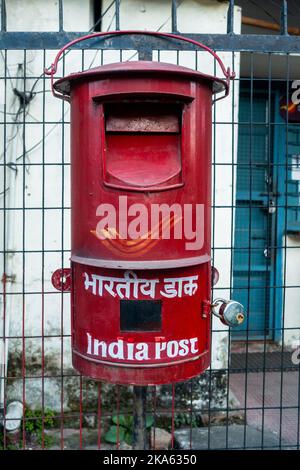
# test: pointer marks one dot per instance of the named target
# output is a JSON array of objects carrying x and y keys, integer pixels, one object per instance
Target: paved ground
[
  {"x": 271, "y": 401},
  {"x": 226, "y": 437}
]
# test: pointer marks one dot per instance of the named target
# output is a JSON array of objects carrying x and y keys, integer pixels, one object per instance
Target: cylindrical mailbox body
[{"x": 141, "y": 201}]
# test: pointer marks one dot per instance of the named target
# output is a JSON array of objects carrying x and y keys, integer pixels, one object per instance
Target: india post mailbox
[{"x": 141, "y": 226}]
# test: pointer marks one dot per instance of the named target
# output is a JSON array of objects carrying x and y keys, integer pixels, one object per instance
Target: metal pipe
[
  {"x": 13, "y": 416},
  {"x": 139, "y": 438}
]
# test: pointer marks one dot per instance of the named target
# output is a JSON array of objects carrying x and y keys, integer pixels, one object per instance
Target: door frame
[{"x": 280, "y": 156}]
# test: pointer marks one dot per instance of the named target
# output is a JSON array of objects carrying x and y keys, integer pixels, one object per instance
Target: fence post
[{"x": 140, "y": 440}]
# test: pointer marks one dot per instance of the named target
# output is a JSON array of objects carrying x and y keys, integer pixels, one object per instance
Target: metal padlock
[{"x": 230, "y": 312}]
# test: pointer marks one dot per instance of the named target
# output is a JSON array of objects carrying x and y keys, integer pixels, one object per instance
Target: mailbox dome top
[{"x": 63, "y": 85}]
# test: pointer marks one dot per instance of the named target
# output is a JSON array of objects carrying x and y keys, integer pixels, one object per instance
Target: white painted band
[{"x": 140, "y": 366}]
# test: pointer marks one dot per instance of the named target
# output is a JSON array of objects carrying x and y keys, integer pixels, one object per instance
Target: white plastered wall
[
  {"x": 291, "y": 276},
  {"x": 27, "y": 186}
]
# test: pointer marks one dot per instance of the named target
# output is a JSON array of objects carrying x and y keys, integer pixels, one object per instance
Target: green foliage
[
  {"x": 37, "y": 420},
  {"x": 9, "y": 445},
  {"x": 33, "y": 423},
  {"x": 121, "y": 429},
  {"x": 112, "y": 434}
]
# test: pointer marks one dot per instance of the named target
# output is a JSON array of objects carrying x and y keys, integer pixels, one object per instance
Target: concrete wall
[{"x": 35, "y": 230}]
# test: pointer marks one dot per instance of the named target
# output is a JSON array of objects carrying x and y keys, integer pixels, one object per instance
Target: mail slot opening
[
  {"x": 140, "y": 315},
  {"x": 142, "y": 145}
]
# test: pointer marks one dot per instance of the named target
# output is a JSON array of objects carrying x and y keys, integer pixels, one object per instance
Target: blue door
[{"x": 255, "y": 217}]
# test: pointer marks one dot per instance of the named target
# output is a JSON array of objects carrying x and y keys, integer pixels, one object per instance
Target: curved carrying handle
[{"x": 228, "y": 75}]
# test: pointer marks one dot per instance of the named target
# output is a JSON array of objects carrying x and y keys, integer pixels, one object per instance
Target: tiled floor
[
  {"x": 254, "y": 346},
  {"x": 270, "y": 401}
]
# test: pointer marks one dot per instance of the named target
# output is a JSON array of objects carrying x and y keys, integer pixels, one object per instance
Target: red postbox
[{"x": 141, "y": 202}]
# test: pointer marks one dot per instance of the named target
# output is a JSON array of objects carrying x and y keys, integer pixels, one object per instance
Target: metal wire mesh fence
[{"x": 249, "y": 398}]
